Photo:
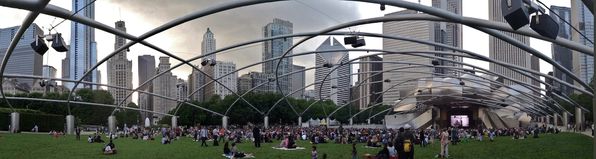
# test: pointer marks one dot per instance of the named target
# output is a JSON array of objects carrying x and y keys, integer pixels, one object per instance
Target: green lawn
[{"x": 560, "y": 146}]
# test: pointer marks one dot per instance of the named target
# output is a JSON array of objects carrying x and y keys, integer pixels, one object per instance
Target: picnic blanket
[
  {"x": 247, "y": 156},
  {"x": 286, "y": 149}
]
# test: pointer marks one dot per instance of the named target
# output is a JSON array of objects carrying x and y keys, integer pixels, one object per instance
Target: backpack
[{"x": 407, "y": 145}]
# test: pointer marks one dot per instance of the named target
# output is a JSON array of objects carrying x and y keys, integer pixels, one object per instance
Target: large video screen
[{"x": 460, "y": 121}]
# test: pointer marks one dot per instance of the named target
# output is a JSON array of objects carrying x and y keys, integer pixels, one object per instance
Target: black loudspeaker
[
  {"x": 515, "y": 13},
  {"x": 204, "y": 62},
  {"x": 213, "y": 62},
  {"x": 58, "y": 43},
  {"x": 39, "y": 46},
  {"x": 435, "y": 62},
  {"x": 350, "y": 40},
  {"x": 359, "y": 42},
  {"x": 545, "y": 25}
]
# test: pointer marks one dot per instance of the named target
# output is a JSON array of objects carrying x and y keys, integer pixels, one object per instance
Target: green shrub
[{"x": 29, "y": 118}]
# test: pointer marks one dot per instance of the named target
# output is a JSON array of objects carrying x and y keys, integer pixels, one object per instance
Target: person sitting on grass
[
  {"x": 165, "y": 140},
  {"x": 236, "y": 152},
  {"x": 90, "y": 139},
  {"x": 97, "y": 139},
  {"x": 314, "y": 154},
  {"x": 227, "y": 150},
  {"x": 384, "y": 153},
  {"x": 373, "y": 142},
  {"x": 284, "y": 142},
  {"x": 109, "y": 149},
  {"x": 392, "y": 151},
  {"x": 291, "y": 143}
]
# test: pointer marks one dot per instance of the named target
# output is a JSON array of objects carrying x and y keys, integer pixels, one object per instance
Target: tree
[
  {"x": 90, "y": 114},
  {"x": 242, "y": 113},
  {"x": 128, "y": 116}
]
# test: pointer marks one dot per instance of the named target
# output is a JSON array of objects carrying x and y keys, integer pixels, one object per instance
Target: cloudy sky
[{"x": 239, "y": 25}]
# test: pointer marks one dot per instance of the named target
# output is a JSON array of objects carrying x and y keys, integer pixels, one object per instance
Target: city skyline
[{"x": 132, "y": 13}]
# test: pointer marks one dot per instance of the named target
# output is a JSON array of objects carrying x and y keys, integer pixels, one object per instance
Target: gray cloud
[{"x": 239, "y": 25}]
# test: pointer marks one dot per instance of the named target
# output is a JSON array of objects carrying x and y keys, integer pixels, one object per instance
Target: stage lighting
[
  {"x": 39, "y": 46},
  {"x": 387, "y": 80},
  {"x": 462, "y": 83},
  {"x": 515, "y": 13},
  {"x": 382, "y": 7},
  {"x": 545, "y": 25},
  {"x": 328, "y": 65},
  {"x": 58, "y": 43}
]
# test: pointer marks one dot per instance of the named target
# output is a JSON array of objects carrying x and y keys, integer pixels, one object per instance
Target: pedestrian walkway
[{"x": 587, "y": 132}]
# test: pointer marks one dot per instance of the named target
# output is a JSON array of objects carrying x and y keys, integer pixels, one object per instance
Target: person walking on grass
[
  {"x": 444, "y": 144},
  {"x": 354, "y": 152},
  {"x": 78, "y": 133},
  {"x": 203, "y": 133},
  {"x": 215, "y": 133},
  {"x": 256, "y": 132}
]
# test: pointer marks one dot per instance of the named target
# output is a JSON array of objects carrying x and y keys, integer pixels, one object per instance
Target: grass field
[{"x": 559, "y": 146}]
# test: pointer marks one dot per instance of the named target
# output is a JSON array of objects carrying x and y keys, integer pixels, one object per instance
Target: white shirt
[
  {"x": 108, "y": 148},
  {"x": 392, "y": 151},
  {"x": 215, "y": 132}
]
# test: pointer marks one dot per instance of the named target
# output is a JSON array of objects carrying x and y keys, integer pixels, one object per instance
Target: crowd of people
[{"x": 393, "y": 143}]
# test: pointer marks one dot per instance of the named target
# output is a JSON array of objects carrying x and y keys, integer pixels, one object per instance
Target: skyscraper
[
  {"x": 24, "y": 59},
  {"x": 503, "y": 51},
  {"x": 83, "y": 48},
  {"x": 583, "y": 19},
  {"x": 146, "y": 70},
  {"x": 254, "y": 79},
  {"x": 230, "y": 81},
  {"x": 66, "y": 66},
  {"x": 276, "y": 48},
  {"x": 181, "y": 90},
  {"x": 195, "y": 80},
  {"x": 448, "y": 33},
  {"x": 371, "y": 87},
  {"x": 297, "y": 83},
  {"x": 164, "y": 85},
  {"x": 220, "y": 69},
  {"x": 49, "y": 71},
  {"x": 337, "y": 85},
  {"x": 120, "y": 69},
  {"x": 208, "y": 45},
  {"x": 244, "y": 83},
  {"x": 407, "y": 80},
  {"x": 560, "y": 54}
]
